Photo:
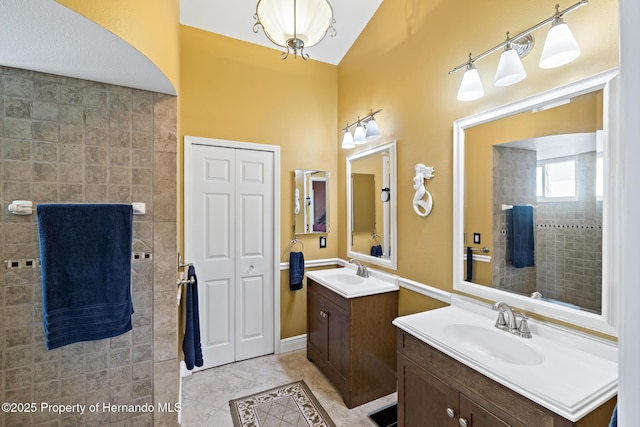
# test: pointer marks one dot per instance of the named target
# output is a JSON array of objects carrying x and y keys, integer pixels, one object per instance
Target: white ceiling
[
  {"x": 44, "y": 36},
  {"x": 234, "y": 18}
]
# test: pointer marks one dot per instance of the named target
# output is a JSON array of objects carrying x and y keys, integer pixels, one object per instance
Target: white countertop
[
  {"x": 344, "y": 282},
  {"x": 574, "y": 376}
]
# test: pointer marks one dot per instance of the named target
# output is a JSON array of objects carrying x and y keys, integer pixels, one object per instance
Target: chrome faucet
[
  {"x": 511, "y": 322},
  {"x": 362, "y": 270}
]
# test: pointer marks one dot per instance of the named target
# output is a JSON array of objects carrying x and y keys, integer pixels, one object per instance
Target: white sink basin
[
  {"x": 496, "y": 344},
  {"x": 346, "y": 283},
  {"x": 345, "y": 278}
]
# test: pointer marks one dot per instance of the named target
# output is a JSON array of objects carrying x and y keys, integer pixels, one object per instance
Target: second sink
[{"x": 493, "y": 343}]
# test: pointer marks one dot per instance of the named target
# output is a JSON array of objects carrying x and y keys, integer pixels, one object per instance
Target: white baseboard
[{"x": 293, "y": 343}]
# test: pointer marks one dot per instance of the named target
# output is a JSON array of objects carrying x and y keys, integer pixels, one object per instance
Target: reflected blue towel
[
  {"x": 521, "y": 237},
  {"x": 614, "y": 418},
  {"x": 296, "y": 270},
  {"x": 469, "y": 276},
  {"x": 85, "y": 253},
  {"x": 191, "y": 344},
  {"x": 376, "y": 251}
]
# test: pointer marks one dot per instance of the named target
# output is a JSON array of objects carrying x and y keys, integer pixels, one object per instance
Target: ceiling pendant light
[
  {"x": 295, "y": 24},
  {"x": 347, "y": 139},
  {"x": 471, "y": 86},
  {"x": 561, "y": 47},
  {"x": 358, "y": 134},
  {"x": 510, "y": 69}
]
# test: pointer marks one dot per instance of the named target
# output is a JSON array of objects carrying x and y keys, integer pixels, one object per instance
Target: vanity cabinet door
[
  {"x": 423, "y": 399},
  {"x": 477, "y": 416},
  {"x": 316, "y": 324},
  {"x": 338, "y": 341}
]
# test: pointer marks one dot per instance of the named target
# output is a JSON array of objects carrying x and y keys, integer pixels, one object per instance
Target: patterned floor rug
[{"x": 285, "y": 406}]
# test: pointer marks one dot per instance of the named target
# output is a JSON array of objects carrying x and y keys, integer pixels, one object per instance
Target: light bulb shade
[
  {"x": 471, "y": 86},
  {"x": 358, "y": 135},
  {"x": 313, "y": 19},
  {"x": 560, "y": 48},
  {"x": 373, "y": 131},
  {"x": 347, "y": 140},
  {"x": 510, "y": 69}
]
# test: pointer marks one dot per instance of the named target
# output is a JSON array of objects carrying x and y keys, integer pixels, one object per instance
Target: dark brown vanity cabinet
[
  {"x": 352, "y": 341},
  {"x": 436, "y": 390}
]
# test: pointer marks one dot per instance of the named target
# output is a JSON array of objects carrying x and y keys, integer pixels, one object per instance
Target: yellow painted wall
[
  {"x": 151, "y": 26},
  {"x": 400, "y": 64},
  {"x": 244, "y": 92}
]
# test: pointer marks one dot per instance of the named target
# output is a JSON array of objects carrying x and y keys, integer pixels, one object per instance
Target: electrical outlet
[
  {"x": 476, "y": 238},
  {"x": 323, "y": 241}
]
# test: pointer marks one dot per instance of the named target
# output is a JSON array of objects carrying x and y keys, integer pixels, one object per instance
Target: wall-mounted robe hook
[{"x": 420, "y": 206}]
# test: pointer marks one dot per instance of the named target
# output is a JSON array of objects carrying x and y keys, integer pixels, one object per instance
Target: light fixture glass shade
[
  {"x": 471, "y": 86},
  {"x": 560, "y": 48},
  {"x": 373, "y": 131},
  {"x": 358, "y": 135},
  {"x": 313, "y": 19},
  {"x": 510, "y": 69},
  {"x": 347, "y": 140}
]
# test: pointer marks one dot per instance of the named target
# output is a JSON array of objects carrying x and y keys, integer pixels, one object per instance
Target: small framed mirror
[
  {"x": 310, "y": 201},
  {"x": 372, "y": 206},
  {"x": 535, "y": 197}
]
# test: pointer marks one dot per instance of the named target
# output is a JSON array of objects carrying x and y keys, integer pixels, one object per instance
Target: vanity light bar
[
  {"x": 363, "y": 120},
  {"x": 514, "y": 39}
]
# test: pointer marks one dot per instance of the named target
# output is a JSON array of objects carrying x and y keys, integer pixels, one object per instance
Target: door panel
[
  {"x": 210, "y": 228},
  {"x": 229, "y": 236},
  {"x": 254, "y": 253}
]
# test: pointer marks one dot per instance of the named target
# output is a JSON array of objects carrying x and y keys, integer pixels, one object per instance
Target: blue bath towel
[
  {"x": 521, "y": 237},
  {"x": 614, "y": 418},
  {"x": 376, "y": 251},
  {"x": 469, "y": 276},
  {"x": 85, "y": 253},
  {"x": 296, "y": 270},
  {"x": 191, "y": 344}
]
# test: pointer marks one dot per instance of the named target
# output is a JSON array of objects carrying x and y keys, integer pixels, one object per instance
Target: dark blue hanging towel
[
  {"x": 191, "y": 344},
  {"x": 614, "y": 418},
  {"x": 296, "y": 270},
  {"x": 521, "y": 237},
  {"x": 85, "y": 253},
  {"x": 469, "y": 264},
  {"x": 376, "y": 251}
]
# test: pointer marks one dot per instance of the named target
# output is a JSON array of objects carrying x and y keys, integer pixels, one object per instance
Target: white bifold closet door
[{"x": 229, "y": 238}]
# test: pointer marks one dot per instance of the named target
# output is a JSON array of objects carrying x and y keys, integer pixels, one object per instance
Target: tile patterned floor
[{"x": 206, "y": 394}]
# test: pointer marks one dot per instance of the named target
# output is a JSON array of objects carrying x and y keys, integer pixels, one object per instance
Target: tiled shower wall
[
  {"x": 69, "y": 140},
  {"x": 569, "y": 243}
]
